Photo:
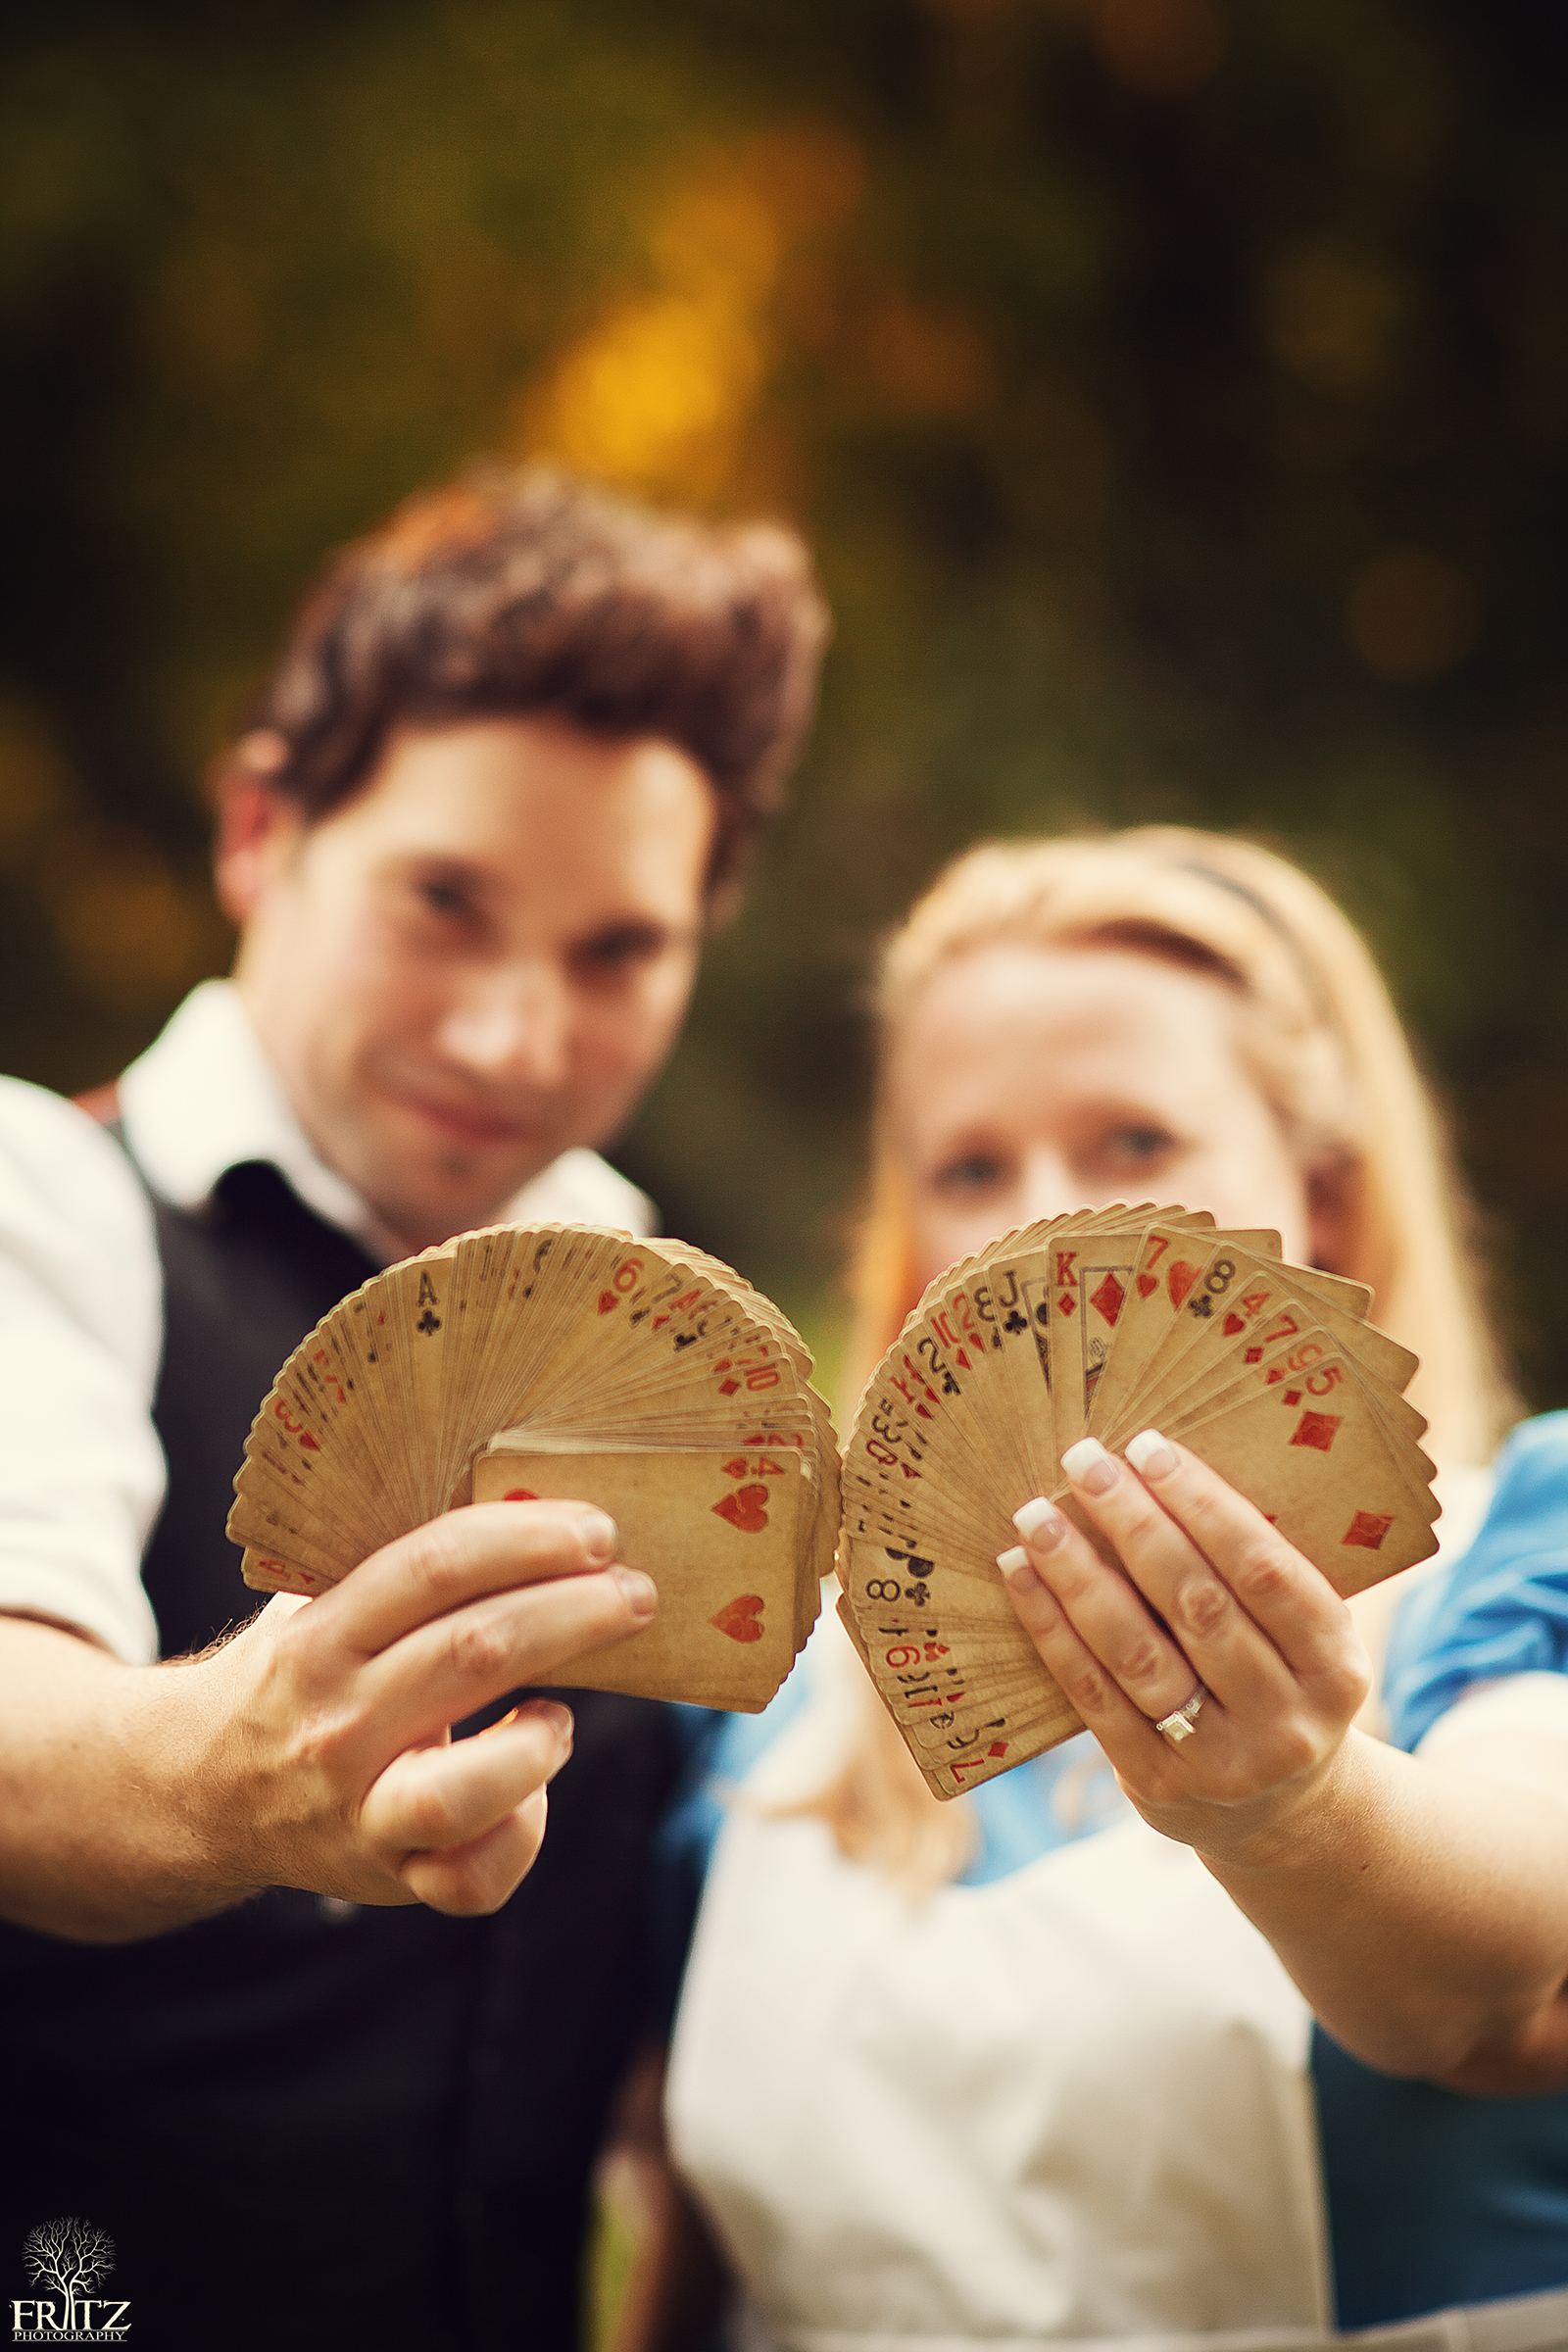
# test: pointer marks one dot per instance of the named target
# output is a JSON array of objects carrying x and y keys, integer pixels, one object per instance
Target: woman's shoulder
[
  {"x": 1532, "y": 1470},
  {"x": 1501, "y": 1606},
  {"x": 1525, "y": 1524}
]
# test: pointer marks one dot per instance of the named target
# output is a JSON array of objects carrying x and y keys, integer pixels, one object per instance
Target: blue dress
[{"x": 1435, "y": 2198}]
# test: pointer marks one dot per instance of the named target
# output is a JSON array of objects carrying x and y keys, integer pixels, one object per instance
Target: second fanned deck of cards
[
  {"x": 1103, "y": 1324},
  {"x": 568, "y": 1361}
]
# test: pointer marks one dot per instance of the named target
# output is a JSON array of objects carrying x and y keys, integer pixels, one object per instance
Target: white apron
[{"x": 1067, "y": 2108}]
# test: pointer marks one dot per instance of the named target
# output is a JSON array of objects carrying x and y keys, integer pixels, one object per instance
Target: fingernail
[
  {"x": 642, "y": 1594},
  {"x": 1040, "y": 1524},
  {"x": 601, "y": 1536},
  {"x": 1019, "y": 1570},
  {"x": 1150, "y": 1455},
  {"x": 1089, "y": 1466},
  {"x": 561, "y": 1723}
]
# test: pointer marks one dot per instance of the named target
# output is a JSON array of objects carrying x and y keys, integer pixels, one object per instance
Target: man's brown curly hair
[{"x": 508, "y": 593}]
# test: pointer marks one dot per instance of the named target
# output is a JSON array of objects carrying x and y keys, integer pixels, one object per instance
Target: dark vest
[{"x": 303, "y": 2124}]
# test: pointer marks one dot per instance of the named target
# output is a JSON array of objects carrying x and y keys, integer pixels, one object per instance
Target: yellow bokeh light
[
  {"x": 1413, "y": 615},
  {"x": 1334, "y": 317},
  {"x": 651, "y": 391},
  {"x": 133, "y": 930},
  {"x": 719, "y": 243},
  {"x": 660, "y": 391}
]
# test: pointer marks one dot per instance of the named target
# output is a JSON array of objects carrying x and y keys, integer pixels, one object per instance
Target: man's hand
[{"x": 314, "y": 1749}]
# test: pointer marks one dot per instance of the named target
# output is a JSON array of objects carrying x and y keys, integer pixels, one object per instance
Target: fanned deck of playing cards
[
  {"x": 1103, "y": 1324},
  {"x": 528, "y": 1361}
]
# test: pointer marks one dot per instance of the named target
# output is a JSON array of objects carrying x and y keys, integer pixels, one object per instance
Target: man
[{"x": 273, "y": 2016}]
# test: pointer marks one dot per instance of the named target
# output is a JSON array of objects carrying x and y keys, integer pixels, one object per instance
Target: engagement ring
[{"x": 1181, "y": 1723}]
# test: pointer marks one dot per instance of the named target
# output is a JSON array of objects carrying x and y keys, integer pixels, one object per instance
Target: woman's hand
[
  {"x": 1422, "y": 1908},
  {"x": 1209, "y": 1597}
]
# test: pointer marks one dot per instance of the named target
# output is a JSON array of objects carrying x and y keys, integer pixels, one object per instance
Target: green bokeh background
[{"x": 1176, "y": 392}]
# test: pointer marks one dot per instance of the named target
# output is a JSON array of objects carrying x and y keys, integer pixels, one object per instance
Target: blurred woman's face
[{"x": 1030, "y": 1081}]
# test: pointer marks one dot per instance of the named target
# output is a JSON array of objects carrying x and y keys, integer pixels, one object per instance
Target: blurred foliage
[{"x": 1176, "y": 391}]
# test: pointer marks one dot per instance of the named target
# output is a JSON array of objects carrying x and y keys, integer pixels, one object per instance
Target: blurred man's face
[{"x": 479, "y": 960}]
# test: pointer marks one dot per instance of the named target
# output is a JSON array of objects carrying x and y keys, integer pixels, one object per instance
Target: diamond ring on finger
[{"x": 1182, "y": 1722}]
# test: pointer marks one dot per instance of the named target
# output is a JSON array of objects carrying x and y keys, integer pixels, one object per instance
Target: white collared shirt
[{"x": 81, "y": 1471}]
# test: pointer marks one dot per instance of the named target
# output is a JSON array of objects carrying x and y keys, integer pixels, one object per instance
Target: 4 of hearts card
[
  {"x": 565, "y": 1361},
  {"x": 1102, "y": 1324}
]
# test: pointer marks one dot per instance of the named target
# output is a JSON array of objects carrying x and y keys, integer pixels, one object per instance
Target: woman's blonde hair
[{"x": 1325, "y": 1046}]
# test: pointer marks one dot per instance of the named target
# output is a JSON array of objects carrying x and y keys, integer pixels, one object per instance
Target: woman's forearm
[
  {"x": 1422, "y": 1908},
  {"x": 1421, "y": 1905}
]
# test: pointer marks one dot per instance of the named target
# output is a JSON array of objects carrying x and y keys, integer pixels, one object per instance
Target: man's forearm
[
  {"x": 102, "y": 1770},
  {"x": 1423, "y": 1911},
  {"x": 312, "y": 1749}
]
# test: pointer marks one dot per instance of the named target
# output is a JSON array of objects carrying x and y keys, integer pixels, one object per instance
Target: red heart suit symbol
[
  {"x": 745, "y": 1508},
  {"x": 742, "y": 1618}
]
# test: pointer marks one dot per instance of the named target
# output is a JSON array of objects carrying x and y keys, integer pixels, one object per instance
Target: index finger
[
  {"x": 463, "y": 1557},
  {"x": 1285, "y": 1595}
]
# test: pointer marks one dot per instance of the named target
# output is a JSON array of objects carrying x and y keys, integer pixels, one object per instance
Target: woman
[{"x": 1067, "y": 2098}]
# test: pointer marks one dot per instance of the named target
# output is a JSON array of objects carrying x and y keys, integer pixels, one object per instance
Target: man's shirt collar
[{"x": 204, "y": 1098}]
